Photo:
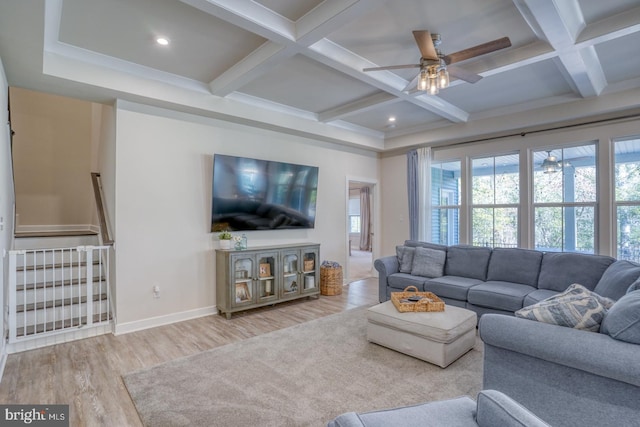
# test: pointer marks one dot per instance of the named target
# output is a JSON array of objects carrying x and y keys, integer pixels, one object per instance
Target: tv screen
[{"x": 252, "y": 194}]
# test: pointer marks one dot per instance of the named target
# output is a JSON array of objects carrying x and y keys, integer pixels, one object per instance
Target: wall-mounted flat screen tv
[{"x": 252, "y": 194}]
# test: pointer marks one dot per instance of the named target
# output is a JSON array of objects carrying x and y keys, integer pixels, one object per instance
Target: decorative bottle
[{"x": 243, "y": 243}]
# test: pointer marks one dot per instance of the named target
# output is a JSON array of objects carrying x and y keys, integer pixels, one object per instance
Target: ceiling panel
[
  {"x": 407, "y": 115},
  {"x": 303, "y": 83},
  {"x": 620, "y": 59},
  {"x": 596, "y": 10},
  {"x": 525, "y": 84},
  {"x": 202, "y": 46},
  {"x": 384, "y": 36}
]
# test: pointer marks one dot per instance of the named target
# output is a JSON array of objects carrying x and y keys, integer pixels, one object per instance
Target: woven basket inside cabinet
[{"x": 330, "y": 281}]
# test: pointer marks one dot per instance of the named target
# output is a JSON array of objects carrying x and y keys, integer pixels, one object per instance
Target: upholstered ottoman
[{"x": 437, "y": 337}]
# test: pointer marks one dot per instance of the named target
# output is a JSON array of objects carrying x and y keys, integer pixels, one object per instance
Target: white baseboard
[
  {"x": 152, "y": 322},
  {"x": 63, "y": 336}
]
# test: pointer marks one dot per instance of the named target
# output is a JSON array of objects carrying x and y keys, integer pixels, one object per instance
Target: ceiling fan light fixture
[
  {"x": 433, "y": 85},
  {"x": 423, "y": 80},
  {"x": 443, "y": 78},
  {"x": 550, "y": 164}
]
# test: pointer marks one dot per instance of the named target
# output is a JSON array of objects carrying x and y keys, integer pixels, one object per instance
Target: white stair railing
[{"x": 54, "y": 291}]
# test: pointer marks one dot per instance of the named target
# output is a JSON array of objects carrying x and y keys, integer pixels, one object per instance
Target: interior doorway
[{"x": 360, "y": 230}]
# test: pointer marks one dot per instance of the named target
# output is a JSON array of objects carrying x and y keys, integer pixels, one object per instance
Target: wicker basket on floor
[{"x": 330, "y": 281}]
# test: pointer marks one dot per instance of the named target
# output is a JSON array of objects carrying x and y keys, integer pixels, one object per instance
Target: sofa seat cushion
[
  {"x": 506, "y": 296},
  {"x": 617, "y": 279},
  {"x": 577, "y": 308},
  {"x": 400, "y": 281},
  {"x": 537, "y": 296},
  {"x": 454, "y": 287},
  {"x": 622, "y": 322},
  {"x": 559, "y": 270},
  {"x": 514, "y": 265}
]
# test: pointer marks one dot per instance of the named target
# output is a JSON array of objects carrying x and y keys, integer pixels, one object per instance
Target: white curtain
[
  {"x": 424, "y": 193},
  {"x": 365, "y": 219}
]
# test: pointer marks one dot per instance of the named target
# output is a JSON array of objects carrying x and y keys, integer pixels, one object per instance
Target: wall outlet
[{"x": 156, "y": 291}]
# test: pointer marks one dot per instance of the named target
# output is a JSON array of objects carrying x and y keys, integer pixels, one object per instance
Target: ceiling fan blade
[
  {"x": 392, "y": 67},
  {"x": 478, "y": 50},
  {"x": 425, "y": 44},
  {"x": 461, "y": 74}
]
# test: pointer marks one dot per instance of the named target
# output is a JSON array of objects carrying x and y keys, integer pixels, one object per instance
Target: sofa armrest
[
  {"x": 385, "y": 266},
  {"x": 348, "y": 419},
  {"x": 592, "y": 352},
  {"x": 498, "y": 409}
]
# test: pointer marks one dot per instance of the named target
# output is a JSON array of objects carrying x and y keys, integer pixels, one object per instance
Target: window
[
  {"x": 565, "y": 199},
  {"x": 445, "y": 202},
  {"x": 627, "y": 198},
  {"x": 354, "y": 215},
  {"x": 495, "y": 193}
]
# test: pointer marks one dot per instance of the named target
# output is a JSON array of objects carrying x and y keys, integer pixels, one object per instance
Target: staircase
[{"x": 58, "y": 290}]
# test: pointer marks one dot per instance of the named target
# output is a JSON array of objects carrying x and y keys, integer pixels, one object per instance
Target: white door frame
[{"x": 375, "y": 213}]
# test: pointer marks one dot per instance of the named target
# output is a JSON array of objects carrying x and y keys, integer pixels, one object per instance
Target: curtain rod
[{"x": 525, "y": 133}]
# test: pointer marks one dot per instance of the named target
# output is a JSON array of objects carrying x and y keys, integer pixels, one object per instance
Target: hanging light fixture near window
[{"x": 550, "y": 164}]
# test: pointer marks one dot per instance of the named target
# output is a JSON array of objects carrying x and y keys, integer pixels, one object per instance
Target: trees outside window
[
  {"x": 495, "y": 193},
  {"x": 565, "y": 199},
  {"x": 627, "y": 198}
]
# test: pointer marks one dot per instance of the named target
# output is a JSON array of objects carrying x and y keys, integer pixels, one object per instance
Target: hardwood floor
[{"x": 86, "y": 374}]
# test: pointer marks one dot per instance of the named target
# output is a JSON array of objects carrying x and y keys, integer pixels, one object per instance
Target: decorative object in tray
[{"x": 410, "y": 300}]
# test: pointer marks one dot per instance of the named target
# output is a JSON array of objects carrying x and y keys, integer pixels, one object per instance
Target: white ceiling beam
[
  {"x": 249, "y": 16},
  {"x": 360, "y": 106},
  {"x": 286, "y": 38},
  {"x": 611, "y": 28},
  {"x": 561, "y": 22}
]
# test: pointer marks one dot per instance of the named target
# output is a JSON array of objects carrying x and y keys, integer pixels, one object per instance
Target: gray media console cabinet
[{"x": 265, "y": 275}]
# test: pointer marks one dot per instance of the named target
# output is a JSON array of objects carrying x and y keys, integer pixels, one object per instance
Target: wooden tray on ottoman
[{"x": 429, "y": 302}]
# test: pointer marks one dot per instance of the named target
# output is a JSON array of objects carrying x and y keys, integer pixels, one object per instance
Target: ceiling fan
[{"x": 435, "y": 66}]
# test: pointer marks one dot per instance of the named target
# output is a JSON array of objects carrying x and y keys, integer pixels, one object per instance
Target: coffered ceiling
[{"x": 296, "y": 65}]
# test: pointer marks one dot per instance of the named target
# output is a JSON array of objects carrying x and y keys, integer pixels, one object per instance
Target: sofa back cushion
[
  {"x": 514, "y": 265},
  {"x": 405, "y": 258},
  {"x": 622, "y": 322},
  {"x": 428, "y": 262},
  {"x": 418, "y": 243},
  {"x": 467, "y": 261},
  {"x": 617, "y": 278},
  {"x": 561, "y": 269}
]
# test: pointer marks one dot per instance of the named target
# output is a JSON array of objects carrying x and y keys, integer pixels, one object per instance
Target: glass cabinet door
[
  {"x": 309, "y": 277},
  {"x": 267, "y": 264},
  {"x": 290, "y": 285},
  {"x": 243, "y": 268}
]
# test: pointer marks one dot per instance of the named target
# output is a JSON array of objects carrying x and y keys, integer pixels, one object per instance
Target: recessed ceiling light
[
  {"x": 392, "y": 119},
  {"x": 163, "y": 41}
]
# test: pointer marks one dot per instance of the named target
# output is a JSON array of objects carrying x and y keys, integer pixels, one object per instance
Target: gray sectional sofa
[
  {"x": 565, "y": 375},
  {"x": 499, "y": 280},
  {"x": 568, "y": 377}
]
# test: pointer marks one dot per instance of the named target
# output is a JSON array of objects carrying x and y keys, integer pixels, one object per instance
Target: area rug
[{"x": 304, "y": 375}]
